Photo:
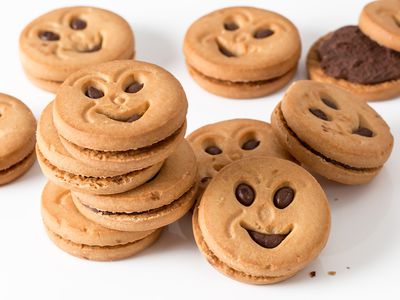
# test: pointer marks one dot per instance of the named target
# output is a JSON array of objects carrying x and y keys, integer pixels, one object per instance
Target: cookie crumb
[
  {"x": 313, "y": 274},
  {"x": 332, "y": 273},
  {"x": 335, "y": 199}
]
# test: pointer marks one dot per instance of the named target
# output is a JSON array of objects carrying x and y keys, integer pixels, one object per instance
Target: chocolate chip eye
[
  {"x": 319, "y": 113},
  {"x": 363, "y": 132},
  {"x": 283, "y": 197},
  {"x": 329, "y": 103},
  {"x": 134, "y": 87},
  {"x": 49, "y": 36},
  {"x": 231, "y": 26},
  {"x": 205, "y": 179},
  {"x": 250, "y": 144},
  {"x": 263, "y": 33},
  {"x": 213, "y": 150},
  {"x": 94, "y": 93},
  {"x": 245, "y": 194},
  {"x": 78, "y": 24}
]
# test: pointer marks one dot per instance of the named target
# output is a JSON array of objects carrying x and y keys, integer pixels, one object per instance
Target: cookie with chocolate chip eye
[
  {"x": 242, "y": 52},
  {"x": 219, "y": 144},
  {"x": 332, "y": 132},
  {"x": 65, "y": 40},
  {"x": 261, "y": 220}
]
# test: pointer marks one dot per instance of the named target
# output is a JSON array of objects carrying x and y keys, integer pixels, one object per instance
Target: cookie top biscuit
[
  {"x": 337, "y": 124},
  {"x": 118, "y": 106},
  {"x": 380, "y": 20},
  {"x": 17, "y": 131},
  {"x": 62, "y": 217},
  {"x": 217, "y": 145},
  {"x": 242, "y": 44},
  {"x": 67, "y": 39},
  {"x": 264, "y": 216}
]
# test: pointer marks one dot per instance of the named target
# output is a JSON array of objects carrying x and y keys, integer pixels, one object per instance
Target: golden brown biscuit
[
  {"x": 242, "y": 52},
  {"x": 261, "y": 220},
  {"x": 332, "y": 132},
  {"x": 64, "y": 40},
  {"x": 17, "y": 138},
  {"x": 380, "y": 21},
  {"x": 80, "y": 237}
]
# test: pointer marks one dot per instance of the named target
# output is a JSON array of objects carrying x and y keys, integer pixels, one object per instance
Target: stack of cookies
[{"x": 112, "y": 144}]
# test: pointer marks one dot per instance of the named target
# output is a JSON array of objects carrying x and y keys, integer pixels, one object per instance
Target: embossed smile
[{"x": 266, "y": 240}]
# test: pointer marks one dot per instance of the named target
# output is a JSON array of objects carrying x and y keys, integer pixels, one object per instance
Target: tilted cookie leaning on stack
[
  {"x": 17, "y": 138},
  {"x": 114, "y": 137},
  {"x": 261, "y": 220},
  {"x": 242, "y": 52},
  {"x": 65, "y": 40}
]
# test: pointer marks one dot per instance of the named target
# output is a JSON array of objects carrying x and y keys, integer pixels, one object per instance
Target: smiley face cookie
[
  {"x": 17, "y": 138},
  {"x": 217, "y": 145},
  {"x": 120, "y": 106},
  {"x": 380, "y": 21},
  {"x": 242, "y": 52},
  {"x": 67, "y": 39},
  {"x": 261, "y": 220},
  {"x": 78, "y": 236},
  {"x": 332, "y": 132}
]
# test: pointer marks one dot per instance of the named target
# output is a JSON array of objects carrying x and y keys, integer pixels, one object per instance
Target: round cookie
[
  {"x": 217, "y": 145},
  {"x": 64, "y": 40},
  {"x": 95, "y": 185},
  {"x": 332, "y": 132},
  {"x": 261, "y": 220},
  {"x": 368, "y": 92},
  {"x": 242, "y": 52},
  {"x": 175, "y": 178},
  {"x": 17, "y": 138},
  {"x": 80, "y": 237},
  {"x": 133, "y": 104},
  {"x": 380, "y": 20}
]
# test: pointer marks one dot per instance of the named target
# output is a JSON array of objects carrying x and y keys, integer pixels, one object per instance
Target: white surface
[{"x": 365, "y": 219}]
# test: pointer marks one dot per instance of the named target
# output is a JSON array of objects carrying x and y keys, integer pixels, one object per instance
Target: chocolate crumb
[
  {"x": 348, "y": 268},
  {"x": 335, "y": 199},
  {"x": 332, "y": 273},
  {"x": 313, "y": 274}
]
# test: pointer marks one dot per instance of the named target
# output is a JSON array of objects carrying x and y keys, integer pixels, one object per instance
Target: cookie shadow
[
  {"x": 362, "y": 223},
  {"x": 155, "y": 47}
]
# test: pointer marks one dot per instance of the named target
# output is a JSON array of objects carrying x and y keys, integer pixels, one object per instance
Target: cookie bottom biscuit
[
  {"x": 224, "y": 268},
  {"x": 322, "y": 165},
  {"x": 17, "y": 170},
  {"x": 140, "y": 221},
  {"x": 241, "y": 90},
  {"x": 369, "y": 92},
  {"x": 104, "y": 253},
  {"x": 47, "y": 85},
  {"x": 96, "y": 185}
]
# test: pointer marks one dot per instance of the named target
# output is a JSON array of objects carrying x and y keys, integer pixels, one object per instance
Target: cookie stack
[{"x": 113, "y": 143}]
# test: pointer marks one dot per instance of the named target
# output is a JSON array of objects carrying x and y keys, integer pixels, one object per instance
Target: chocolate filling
[
  {"x": 351, "y": 55},
  {"x": 315, "y": 152},
  {"x": 239, "y": 83}
]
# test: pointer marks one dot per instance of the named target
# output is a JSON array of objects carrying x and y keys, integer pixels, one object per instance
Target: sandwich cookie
[
  {"x": 17, "y": 138},
  {"x": 78, "y": 236},
  {"x": 242, "y": 52},
  {"x": 332, "y": 132},
  {"x": 65, "y": 40},
  {"x": 217, "y": 145},
  {"x": 261, "y": 220},
  {"x": 159, "y": 202}
]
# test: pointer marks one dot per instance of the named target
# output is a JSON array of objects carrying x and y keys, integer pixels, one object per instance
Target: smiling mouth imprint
[
  {"x": 129, "y": 119},
  {"x": 266, "y": 240},
  {"x": 94, "y": 48}
]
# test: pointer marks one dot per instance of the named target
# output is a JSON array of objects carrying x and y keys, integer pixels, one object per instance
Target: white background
[{"x": 365, "y": 219}]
